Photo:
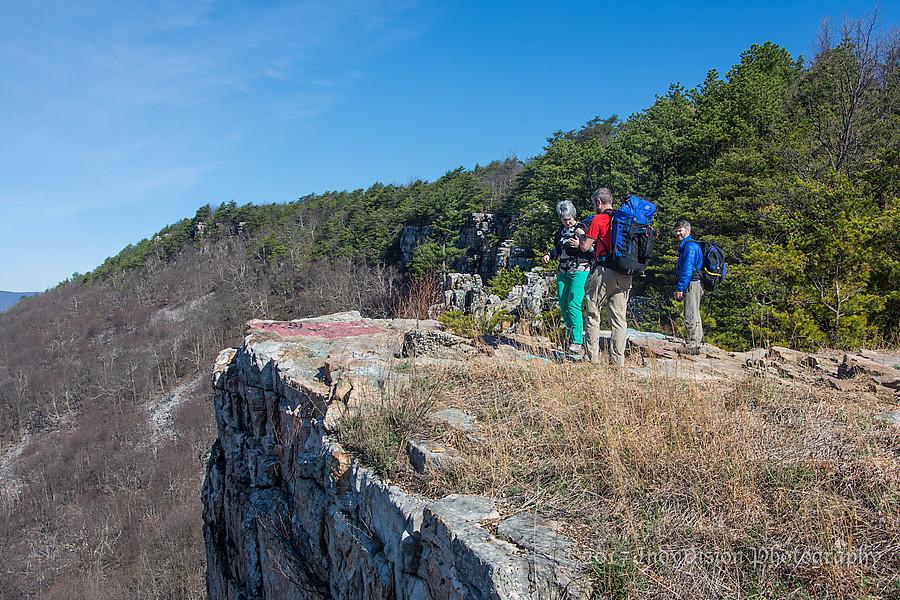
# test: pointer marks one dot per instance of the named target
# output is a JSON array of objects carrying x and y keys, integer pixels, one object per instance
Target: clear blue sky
[{"x": 120, "y": 117}]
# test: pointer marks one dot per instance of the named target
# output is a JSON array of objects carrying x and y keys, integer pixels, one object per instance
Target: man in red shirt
[{"x": 604, "y": 285}]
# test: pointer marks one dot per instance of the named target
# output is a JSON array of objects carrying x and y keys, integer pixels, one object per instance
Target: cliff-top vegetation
[{"x": 673, "y": 487}]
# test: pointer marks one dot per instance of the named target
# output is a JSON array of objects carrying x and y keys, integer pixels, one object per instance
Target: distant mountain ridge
[{"x": 8, "y": 299}]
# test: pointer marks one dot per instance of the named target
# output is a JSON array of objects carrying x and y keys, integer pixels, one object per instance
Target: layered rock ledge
[{"x": 288, "y": 513}]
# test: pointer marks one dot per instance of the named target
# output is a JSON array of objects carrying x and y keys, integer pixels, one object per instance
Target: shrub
[
  {"x": 474, "y": 326},
  {"x": 505, "y": 280}
]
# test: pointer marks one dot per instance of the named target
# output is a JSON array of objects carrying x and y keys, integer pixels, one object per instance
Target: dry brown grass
[
  {"x": 682, "y": 488},
  {"x": 417, "y": 299}
]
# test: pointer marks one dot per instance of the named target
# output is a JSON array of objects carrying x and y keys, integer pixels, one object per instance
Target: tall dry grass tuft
[
  {"x": 682, "y": 487},
  {"x": 418, "y": 298},
  {"x": 378, "y": 426}
]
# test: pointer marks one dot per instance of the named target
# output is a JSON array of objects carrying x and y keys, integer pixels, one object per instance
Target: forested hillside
[{"x": 792, "y": 164}]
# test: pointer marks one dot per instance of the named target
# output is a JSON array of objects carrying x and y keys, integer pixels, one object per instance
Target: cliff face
[
  {"x": 289, "y": 514},
  {"x": 487, "y": 250},
  {"x": 485, "y": 242}
]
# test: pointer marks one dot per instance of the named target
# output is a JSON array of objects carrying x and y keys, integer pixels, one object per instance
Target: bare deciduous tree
[{"x": 849, "y": 95}]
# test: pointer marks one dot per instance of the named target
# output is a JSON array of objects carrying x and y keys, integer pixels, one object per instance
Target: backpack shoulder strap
[
  {"x": 693, "y": 241},
  {"x": 610, "y": 212}
]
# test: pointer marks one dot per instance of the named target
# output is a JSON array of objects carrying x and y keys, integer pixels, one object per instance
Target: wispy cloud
[
  {"x": 121, "y": 116},
  {"x": 99, "y": 87}
]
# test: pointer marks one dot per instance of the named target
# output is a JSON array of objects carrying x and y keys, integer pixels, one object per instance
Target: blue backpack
[{"x": 633, "y": 236}]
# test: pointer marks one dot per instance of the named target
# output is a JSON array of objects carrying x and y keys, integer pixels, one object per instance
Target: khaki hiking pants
[
  {"x": 692, "y": 323},
  {"x": 612, "y": 288}
]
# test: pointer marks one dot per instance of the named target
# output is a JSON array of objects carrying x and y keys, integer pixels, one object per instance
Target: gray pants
[
  {"x": 610, "y": 287},
  {"x": 692, "y": 322}
]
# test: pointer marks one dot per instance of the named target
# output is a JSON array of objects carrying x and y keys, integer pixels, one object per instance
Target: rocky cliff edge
[{"x": 288, "y": 513}]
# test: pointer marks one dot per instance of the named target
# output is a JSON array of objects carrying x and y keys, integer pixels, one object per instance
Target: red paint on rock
[{"x": 324, "y": 329}]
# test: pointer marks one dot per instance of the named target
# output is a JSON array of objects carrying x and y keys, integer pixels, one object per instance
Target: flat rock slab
[
  {"x": 326, "y": 330},
  {"x": 533, "y": 532},
  {"x": 456, "y": 419},
  {"x": 889, "y": 417},
  {"x": 425, "y": 455}
]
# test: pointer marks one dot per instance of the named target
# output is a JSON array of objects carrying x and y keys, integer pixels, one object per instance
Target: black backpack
[{"x": 714, "y": 269}]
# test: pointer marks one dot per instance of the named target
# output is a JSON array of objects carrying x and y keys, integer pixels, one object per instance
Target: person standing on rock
[
  {"x": 689, "y": 288},
  {"x": 574, "y": 265},
  {"x": 604, "y": 285}
]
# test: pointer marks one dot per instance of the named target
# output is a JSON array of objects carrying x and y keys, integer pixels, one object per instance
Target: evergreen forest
[{"x": 791, "y": 164}]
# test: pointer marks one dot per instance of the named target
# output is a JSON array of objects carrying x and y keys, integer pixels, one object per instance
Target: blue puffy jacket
[{"x": 690, "y": 261}]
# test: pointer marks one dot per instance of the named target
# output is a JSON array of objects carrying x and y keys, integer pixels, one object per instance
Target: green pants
[{"x": 570, "y": 290}]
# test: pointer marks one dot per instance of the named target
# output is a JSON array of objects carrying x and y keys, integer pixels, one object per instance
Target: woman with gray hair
[{"x": 574, "y": 266}]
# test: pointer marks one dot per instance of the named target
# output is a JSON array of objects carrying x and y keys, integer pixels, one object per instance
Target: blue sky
[{"x": 119, "y": 117}]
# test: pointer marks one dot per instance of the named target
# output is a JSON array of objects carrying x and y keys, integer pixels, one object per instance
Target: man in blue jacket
[{"x": 690, "y": 261}]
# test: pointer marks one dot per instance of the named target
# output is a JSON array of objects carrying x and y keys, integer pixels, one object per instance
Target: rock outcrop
[
  {"x": 487, "y": 250},
  {"x": 484, "y": 240},
  {"x": 288, "y": 513}
]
